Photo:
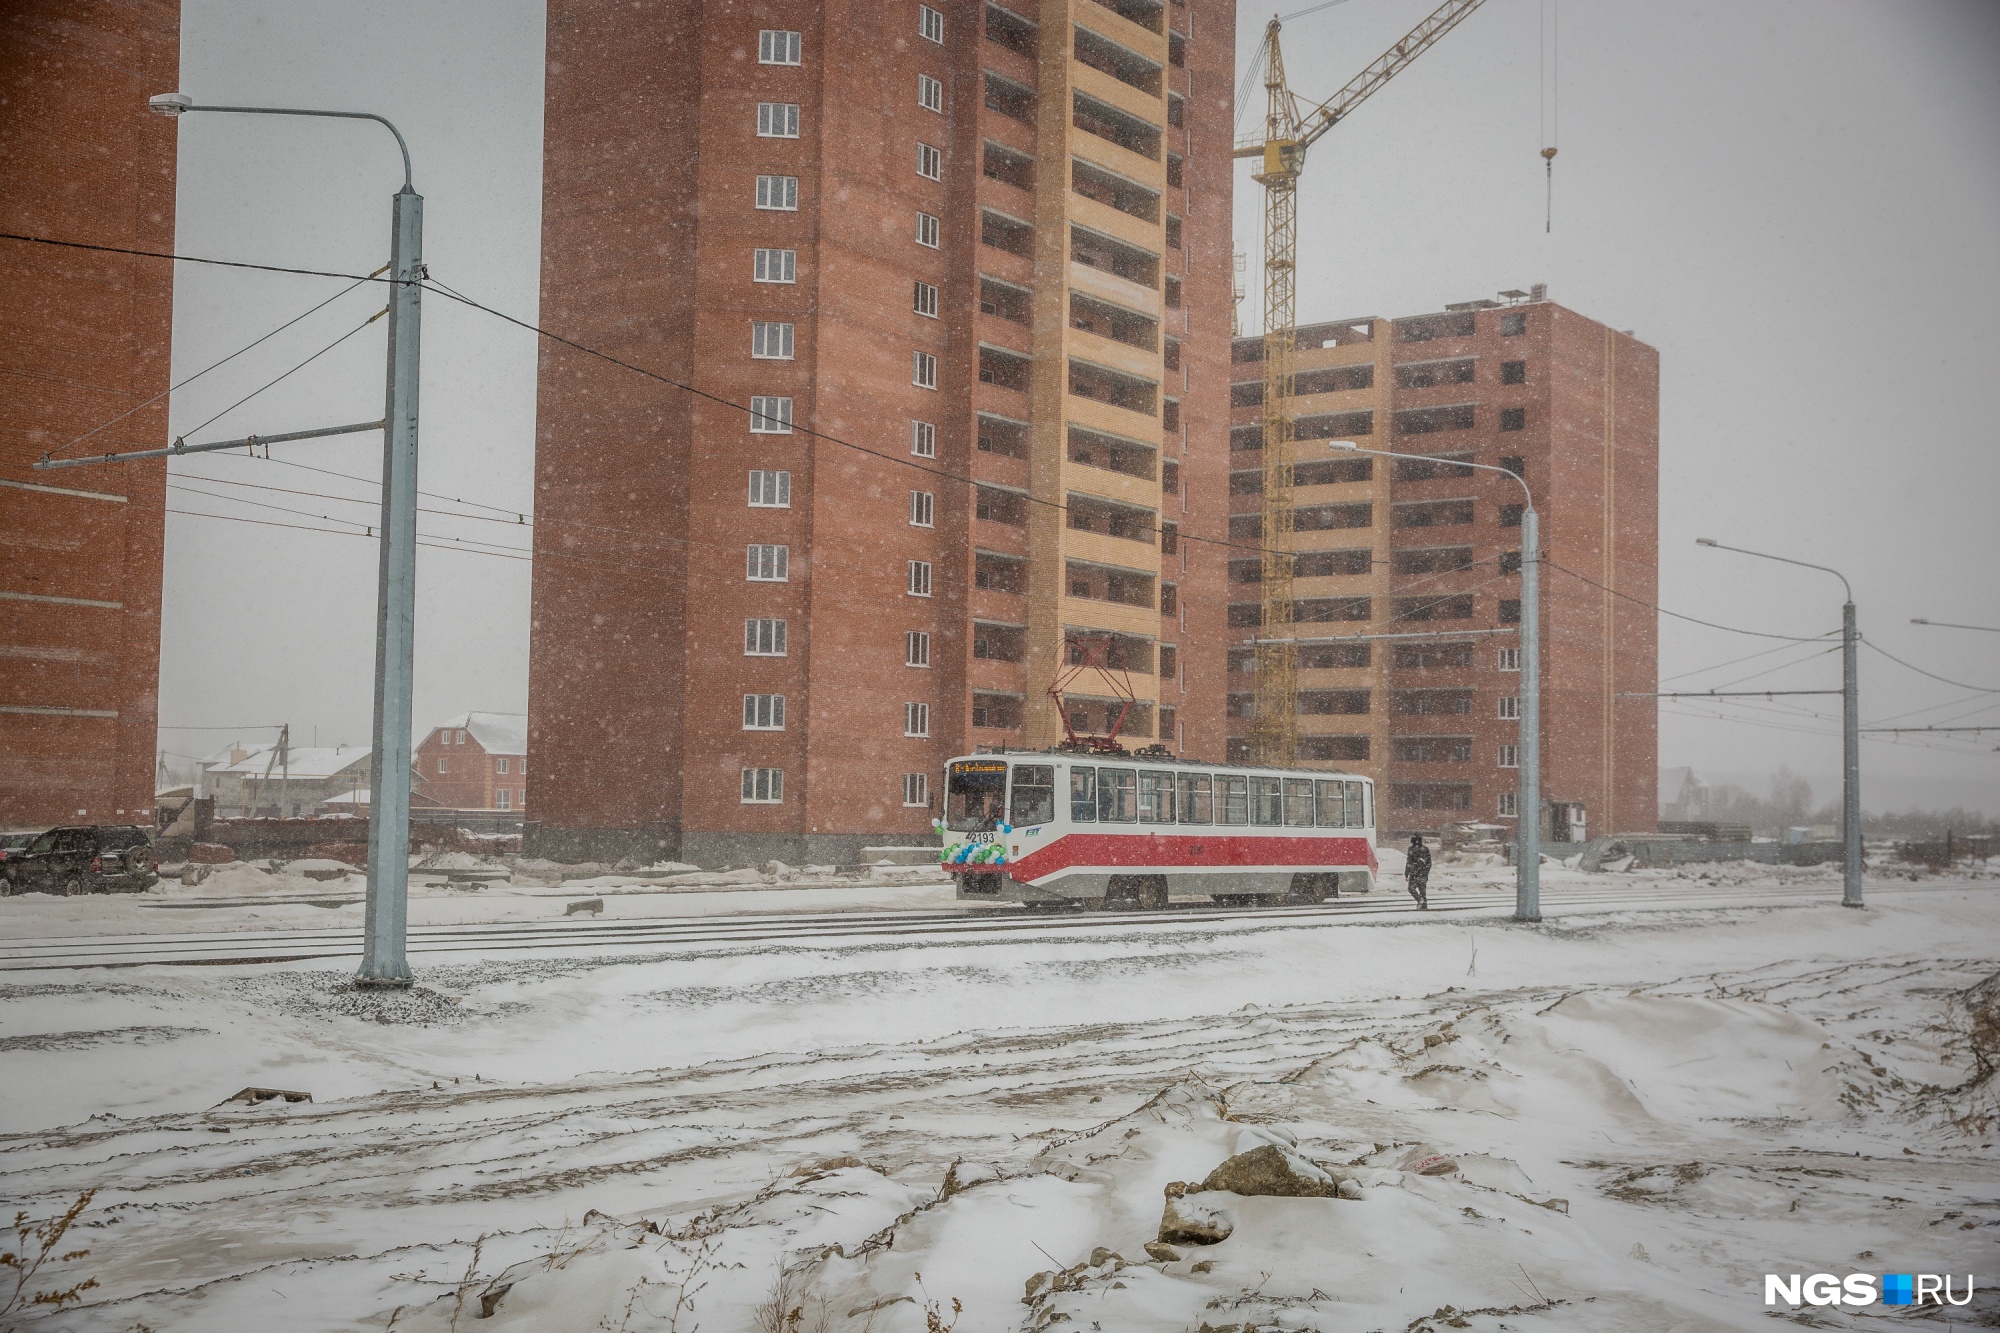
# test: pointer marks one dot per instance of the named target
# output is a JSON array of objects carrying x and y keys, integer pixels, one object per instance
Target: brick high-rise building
[
  {"x": 1405, "y": 569},
  {"x": 84, "y": 337},
  {"x": 987, "y": 243}
]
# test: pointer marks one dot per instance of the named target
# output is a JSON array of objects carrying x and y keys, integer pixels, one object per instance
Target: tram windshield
[{"x": 975, "y": 795}]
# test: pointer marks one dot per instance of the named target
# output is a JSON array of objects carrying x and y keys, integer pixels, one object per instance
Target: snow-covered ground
[{"x": 1637, "y": 1114}]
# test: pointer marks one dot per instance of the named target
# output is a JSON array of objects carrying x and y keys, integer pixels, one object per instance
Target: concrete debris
[
  {"x": 594, "y": 906},
  {"x": 1270, "y": 1171},
  {"x": 1195, "y": 1219}
]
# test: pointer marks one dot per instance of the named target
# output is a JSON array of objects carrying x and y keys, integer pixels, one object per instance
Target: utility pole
[
  {"x": 1528, "y": 782},
  {"x": 1850, "y": 757},
  {"x": 386, "y": 917},
  {"x": 1528, "y": 795},
  {"x": 1850, "y": 723},
  {"x": 384, "y": 960}
]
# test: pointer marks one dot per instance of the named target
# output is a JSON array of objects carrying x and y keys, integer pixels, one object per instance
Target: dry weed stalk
[{"x": 36, "y": 1244}]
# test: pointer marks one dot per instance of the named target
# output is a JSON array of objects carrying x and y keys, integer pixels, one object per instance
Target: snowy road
[
  {"x": 594, "y": 937},
  {"x": 1652, "y": 1100}
]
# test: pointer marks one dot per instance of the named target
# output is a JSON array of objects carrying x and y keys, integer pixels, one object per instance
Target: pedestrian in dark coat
[{"x": 1417, "y": 871}]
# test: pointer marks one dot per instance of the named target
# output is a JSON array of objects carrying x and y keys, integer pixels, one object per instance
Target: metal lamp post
[
  {"x": 1528, "y": 790},
  {"x": 383, "y": 959},
  {"x": 1850, "y": 725}
]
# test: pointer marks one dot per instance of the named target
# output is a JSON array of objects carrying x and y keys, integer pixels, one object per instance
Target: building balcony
[
  {"x": 1149, "y": 40},
  {"x": 1117, "y": 487},
  {"x": 1093, "y": 415},
  {"x": 1095, "y": 84},
  {"x": 1101, "y": 549},
  {"x": 1103, "y": 153},
  {"x": 1138, "y": 362},
  {"x": 1133, "y": 231}
]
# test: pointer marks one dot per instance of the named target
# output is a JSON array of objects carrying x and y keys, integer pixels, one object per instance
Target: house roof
[
  {"x": 348, "y": 798},
  {"x": 497, "y": 733},
  {"x": 1674, "y": 780},
  {"x": 304, "y": 761}
]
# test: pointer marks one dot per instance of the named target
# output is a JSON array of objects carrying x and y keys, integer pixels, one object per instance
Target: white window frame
[
  {"x": 920, "y": 578},
  {"x": 916, "y": 791},
  {"x": 767, "y": 562},
  {"x": 780, "y": 266},
  {"x": 1508, "y": 805},
  {"x": 763, "y": 786},
  {"x": 923, "y": 370},
  {"x": 778, "y": 194},
  {"x": 503, "y": 799},
  {"x": 924, "y": 299},
  {"x": 777, "y": 120},
  {"x": 770, "y": 340},
  {"x": 1510, "y": 659},
  {"x": 770, "y": 415},
  {"x": 930, "y": 93},
  {"x": 779, "y": 46},
  {"x": 500, "y": 764},
  {"x": 917, "y": 648},
  {"x": 927, "y": 230},
  {"x": 764, "y": 636},
  {"x": 930, "y": 161},
  {"x": 923, "y": 509},
  {"x": 442, "y": 768},
  {"x": 774, "y": 484},
  {"x": 1510, "y": 756},
  {"x": 1510, "y": 708},
  {"x": 917, "y": 721},
  {"x": 930, "y": 24},
  {"x": 923, "y": 439},
  {"x": 763, "y": 712}
]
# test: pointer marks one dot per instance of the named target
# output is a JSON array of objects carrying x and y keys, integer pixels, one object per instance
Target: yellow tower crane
[{"x": 1274, "y": 733}]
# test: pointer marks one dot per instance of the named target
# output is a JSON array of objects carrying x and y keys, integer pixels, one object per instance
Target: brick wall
[{"x": 83, "y": 337}]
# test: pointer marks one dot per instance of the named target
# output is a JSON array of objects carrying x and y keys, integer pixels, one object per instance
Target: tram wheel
[{"x": 1146, "y": 893}]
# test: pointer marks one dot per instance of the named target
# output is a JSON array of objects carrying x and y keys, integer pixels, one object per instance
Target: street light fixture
[
  {"x": 384, "y": 961},
  {"x": 1528, "y": 791},
  {"x": 1946, "y": 624},
  {"x": 1850, "y": 723}
]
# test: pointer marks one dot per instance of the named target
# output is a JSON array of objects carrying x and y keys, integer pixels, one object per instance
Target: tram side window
[
  {"x": 1034, "y": 795},
  {"x": 1267, "y": 801},
  {"x": 1232, "y": 791},
  {"x": 1196, "y": 799},
  {"x": 1082, "y": 794},
  {"x": 1299, "y": 802},
  {"x": 1156, "y": 796},
  {"x": 1328, "y": 810},
  {"x": 1117, "y": 797},
  {"x": 1351, "y": 799}
]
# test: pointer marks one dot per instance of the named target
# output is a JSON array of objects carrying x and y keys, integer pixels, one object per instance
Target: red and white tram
[{"x": 1092, "y": 828}]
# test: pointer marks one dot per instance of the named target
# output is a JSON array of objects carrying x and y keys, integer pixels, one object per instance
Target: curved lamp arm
[
  {"x": 175, "y": 104},
  {"x": 1781, "y": 559}
]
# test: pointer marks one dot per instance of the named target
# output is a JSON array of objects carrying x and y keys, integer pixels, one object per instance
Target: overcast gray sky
[{"x": 1797, "y": 202}]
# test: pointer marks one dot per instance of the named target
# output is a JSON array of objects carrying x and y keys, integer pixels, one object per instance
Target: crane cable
[{"x": 1551, "y": 112}]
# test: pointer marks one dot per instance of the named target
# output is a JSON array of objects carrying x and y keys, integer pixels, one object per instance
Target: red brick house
[{"x": 476, "y": 761}]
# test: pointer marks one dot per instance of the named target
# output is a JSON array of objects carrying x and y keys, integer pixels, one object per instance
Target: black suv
[{"x": 84, "y": 858}]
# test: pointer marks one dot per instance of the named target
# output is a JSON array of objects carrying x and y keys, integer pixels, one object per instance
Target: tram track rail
[{"x": 835, "y": 929}]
